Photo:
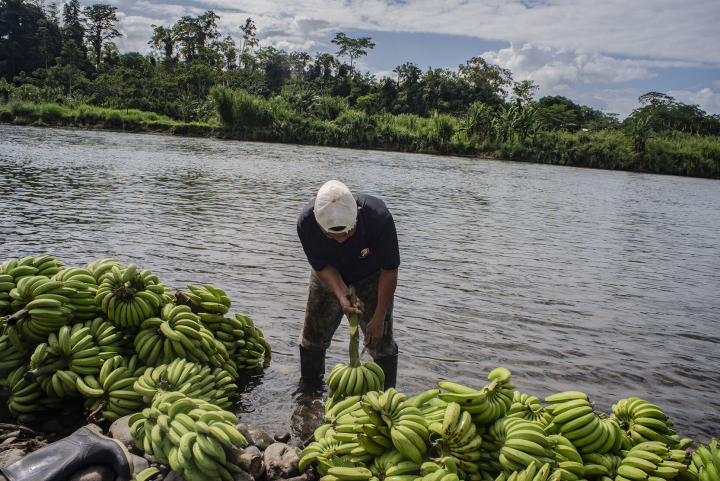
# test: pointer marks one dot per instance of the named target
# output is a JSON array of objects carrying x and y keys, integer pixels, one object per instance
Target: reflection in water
[{"x": 601, "y": 281}]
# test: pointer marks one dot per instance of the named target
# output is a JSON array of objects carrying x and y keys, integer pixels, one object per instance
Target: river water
[{"x": 599, "y": 281}]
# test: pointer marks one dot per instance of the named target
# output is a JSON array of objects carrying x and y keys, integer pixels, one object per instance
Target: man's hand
[
  {"x": 348, "y": 309},
  {"x": 374, "y": 331}
]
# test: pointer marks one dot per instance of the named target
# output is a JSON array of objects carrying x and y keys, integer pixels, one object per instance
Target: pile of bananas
[
  {"x": 191, "y": 379},
  {"x": 575, "y": 418},
  {"x": 190, "y": 435},
  {"x": 561, "y": 439},
  {"x": 113, "y": 335},
  {"x": 705, "y": 464},
  {"x": 645, "y": 422},
  {"x": 651, "y": 459},
  {"x": 487, "y": 405}
]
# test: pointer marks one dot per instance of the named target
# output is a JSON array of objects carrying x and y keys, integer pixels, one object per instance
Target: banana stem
[
  {"x": 354, "y": 334},
  {"x": 19, "y": 315},
  {"x": 123, "y": 292},
  {"x": 61, "y": 363}
]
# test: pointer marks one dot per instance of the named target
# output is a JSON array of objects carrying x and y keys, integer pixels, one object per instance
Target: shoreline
[{"x": 600, "y": 151}]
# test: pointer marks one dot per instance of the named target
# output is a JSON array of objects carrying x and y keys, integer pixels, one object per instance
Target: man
[{"x": 349, "y": 240}]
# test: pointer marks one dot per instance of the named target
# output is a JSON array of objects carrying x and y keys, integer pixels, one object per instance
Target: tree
[
  {"x": 163, "y": 40},
  {"x": 101, "y": 19},
  {"x": 489, "y": 81},
  {"x": 523, "y": 92},
  {"x": 73, "y": 24},
  {"x": 352, "y": 47},
  {"x": 249, "y": 41},
  {"x": 28, "y": 41}
]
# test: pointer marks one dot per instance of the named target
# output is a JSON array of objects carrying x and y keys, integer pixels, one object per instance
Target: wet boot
[
  {"x": 312, "y": 370},
  {"x": 57, "y": 461},
  {"x": 389, "y": 366}
]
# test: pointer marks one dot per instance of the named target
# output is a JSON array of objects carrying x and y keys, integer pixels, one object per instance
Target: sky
[{"x": 603, "y": 54}]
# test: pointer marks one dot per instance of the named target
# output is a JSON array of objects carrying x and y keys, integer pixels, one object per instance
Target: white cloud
[{"x": 708, "y": 100}]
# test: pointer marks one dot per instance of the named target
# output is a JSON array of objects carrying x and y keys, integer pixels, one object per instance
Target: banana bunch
[
  {"x": 458, "y": 441},
  {"x": 348, "y": 471},
  {"x": 191, "y": 379},
  {"x": 228, "y": 330},
  {"x": 650, "y": 459},
  {"x": 408, "y": 428},
  {"x": 248, "y": 356},
  {"x": 24, "y": 394},
  {"x": 100, "y": 267},
  {"x": 176, "y": 333},
  {"x": 111, "y": 339},
  {"x": 128, "y": 296},
  {"x": 645, "y": 421},
  {"x": 210, "y": 298},
  {"x": 529, "y": 408},
  {"x": 566, "y": 456},
  {"x": 14, "y": 270},
  {"x": 190, "y": 435},
  {"x": 521, "y": 442},
  {"x": 82, "y": 301},
  {"x": 11, "y": 358},
  {"x": 393, "y": 463},
  {"x": 601, "y": 467},
  {"x": 335, "y": 410},
  {"x": 488, "y": 404},
  {"x": 323, "y": 448},
  {"x": 532, "y": 473},
  {"x": 43, "y": 306},
  {"x": 346, "y": 381},
  {"x": 575, "y": 418},
  {"x": 111, "y": 391},
  {"x": 705, "y": 464}
]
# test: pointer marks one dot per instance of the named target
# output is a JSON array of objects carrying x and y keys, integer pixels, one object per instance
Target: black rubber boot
[
  {"x": 389, "y": 366},
  {"x": 57, "y": 461},
  {"x": 312, "y": 369}
]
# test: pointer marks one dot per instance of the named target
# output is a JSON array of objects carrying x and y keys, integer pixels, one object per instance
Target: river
[{"x": 600, "y": 281}]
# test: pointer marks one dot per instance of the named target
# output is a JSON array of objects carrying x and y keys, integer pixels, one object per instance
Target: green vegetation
[{"x": 196, "y": 82}]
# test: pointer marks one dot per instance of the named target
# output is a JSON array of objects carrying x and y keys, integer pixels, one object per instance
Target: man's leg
[
  {"x": 385, "y": 351},
  {"x": 323, "y": 314}
]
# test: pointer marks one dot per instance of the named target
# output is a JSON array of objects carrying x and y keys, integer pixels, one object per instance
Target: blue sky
[{"x": 601, "y": 54}]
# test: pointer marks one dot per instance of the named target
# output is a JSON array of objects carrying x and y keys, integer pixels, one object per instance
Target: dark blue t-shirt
[{"x": 372, "y": 247}]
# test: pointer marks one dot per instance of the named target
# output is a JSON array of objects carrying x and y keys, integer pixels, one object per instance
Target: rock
[
  {"x": 253, "y": 450},
  {"x": 121, "y": 431},
  {"x": 9, "y": 440},
  {"x": 26, "y": 419},
  {"x": 261, "y": 438},
  {"x": 10, "y": 456},
  {"x": 2, "y": 478},
  {"x": 252, "y": 463},
  {"x": 96, "y": 472},
  {"x": 282, "y": 438},
  {"x": 51, "y": 426},
  {"x": 243, "y": 477},
  {"x": 281, "y": 461},
  {"x": 139, "y": 464},
  {"x": 150, "y": 458},
  {"x": 243, "y": 429}
]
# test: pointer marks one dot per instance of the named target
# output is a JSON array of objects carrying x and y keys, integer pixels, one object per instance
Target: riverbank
[{"x": 674, "y": 153}]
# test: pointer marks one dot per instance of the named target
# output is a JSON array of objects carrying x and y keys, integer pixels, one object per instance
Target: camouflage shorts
[{"x": 323, "y": 315}]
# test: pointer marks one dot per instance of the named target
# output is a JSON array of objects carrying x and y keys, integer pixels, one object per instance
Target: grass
[{"x": 330, "y": 122}]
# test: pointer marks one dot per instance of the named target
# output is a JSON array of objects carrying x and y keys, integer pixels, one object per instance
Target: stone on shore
[
  {"x": 242, "y": 477},
  {"x": 253, "y": 450},
  {"x": 281, "y": 461},
  {"x": 261, "y": 438},
  {"x": 121, "y": 431},
  {"x": 243, "y": 429}
]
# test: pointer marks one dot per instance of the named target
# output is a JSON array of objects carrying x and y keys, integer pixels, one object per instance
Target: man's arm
[
  {"x": 332, "y": 278},
  {"x": 386, "y": 290}
]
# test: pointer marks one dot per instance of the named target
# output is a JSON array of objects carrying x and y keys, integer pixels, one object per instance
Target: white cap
[{"x": 335, "y": 207}]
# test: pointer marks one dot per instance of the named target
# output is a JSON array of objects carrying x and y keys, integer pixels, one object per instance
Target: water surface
[{"x": 605, "y": 282}]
